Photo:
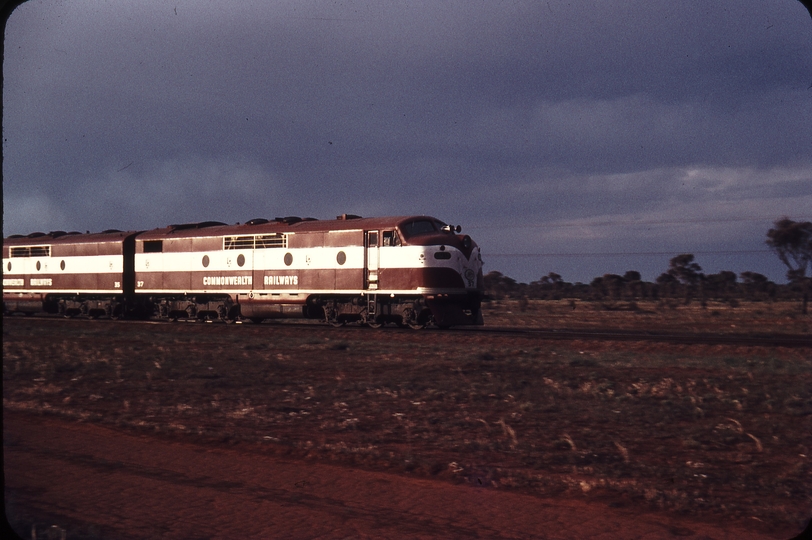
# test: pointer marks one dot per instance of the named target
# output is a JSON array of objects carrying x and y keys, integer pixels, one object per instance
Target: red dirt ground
[
  {"x": 129, "y": 430},
  {"x": 140, "y": 486}
]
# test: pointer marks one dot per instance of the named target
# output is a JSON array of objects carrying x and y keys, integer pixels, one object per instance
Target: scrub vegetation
[
  {"x": 683, "y": 282},
  {"x": 706, "y": 431}
]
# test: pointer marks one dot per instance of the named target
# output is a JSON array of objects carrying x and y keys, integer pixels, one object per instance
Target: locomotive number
[
  {"x": 117, "y": 285},
  {"x": 140, "y": 284}
]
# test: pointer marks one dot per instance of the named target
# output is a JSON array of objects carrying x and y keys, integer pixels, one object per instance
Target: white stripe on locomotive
[
  {"x": 311, "y": 258},
  {"x": 80, "y": 264}
]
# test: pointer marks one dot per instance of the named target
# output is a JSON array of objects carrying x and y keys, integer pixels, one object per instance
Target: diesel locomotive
[{"x": 410, "y": 270}]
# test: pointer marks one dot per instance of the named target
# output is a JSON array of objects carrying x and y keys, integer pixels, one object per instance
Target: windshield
[{"x": 418, "y": 227}]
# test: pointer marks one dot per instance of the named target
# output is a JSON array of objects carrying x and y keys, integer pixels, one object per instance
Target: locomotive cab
[
  {"x": 416, "y": 270},
  {"x": 446, "y": 269}
]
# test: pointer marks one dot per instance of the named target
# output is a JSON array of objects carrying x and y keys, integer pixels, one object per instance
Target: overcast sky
[{"x": 577, "y": 137}]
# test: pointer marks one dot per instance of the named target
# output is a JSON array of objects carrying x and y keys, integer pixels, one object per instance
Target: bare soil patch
[{"x": 695, "y": 433}]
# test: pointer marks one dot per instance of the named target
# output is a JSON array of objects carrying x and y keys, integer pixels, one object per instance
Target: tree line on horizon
[{"x": 684, "y": 280}]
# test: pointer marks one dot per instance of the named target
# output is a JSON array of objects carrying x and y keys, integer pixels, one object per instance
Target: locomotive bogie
[
  {"x": 93, "y": 307},
  {"x": 214, "y": 307}
]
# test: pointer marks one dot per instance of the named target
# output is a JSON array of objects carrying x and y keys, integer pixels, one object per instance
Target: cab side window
[{"x": 391, "y": 238}]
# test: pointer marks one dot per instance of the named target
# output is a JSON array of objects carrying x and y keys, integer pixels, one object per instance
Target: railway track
[
  {"x": 748, "y": 339},
  {"x": 768, "y": 340}
]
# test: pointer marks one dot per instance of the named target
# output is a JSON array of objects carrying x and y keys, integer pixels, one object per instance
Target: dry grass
[
  {"x": 694, "y": 429},
  {"x": 716, "y": 317}
]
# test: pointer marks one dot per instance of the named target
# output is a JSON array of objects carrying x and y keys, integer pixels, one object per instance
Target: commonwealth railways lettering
[
  {"x": 280, "y": 280},
  {"x": 228, "y": 280}
]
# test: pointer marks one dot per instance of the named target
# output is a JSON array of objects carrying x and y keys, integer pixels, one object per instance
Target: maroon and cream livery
[
  {"x": 69, "y": 273},
  {"x": 407, "y": 270}
]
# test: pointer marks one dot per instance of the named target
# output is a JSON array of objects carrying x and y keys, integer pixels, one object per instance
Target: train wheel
[
  {"x": 331, "y": 317},
  {"x": 411, "y": 320},
  {"x": 117, "y": 312},
  {"x": 372, "y": 320},
  {"x": 430, "y": 321}
]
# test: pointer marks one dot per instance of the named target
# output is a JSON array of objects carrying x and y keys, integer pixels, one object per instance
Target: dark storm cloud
[{"x": 566, "y": 121}]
